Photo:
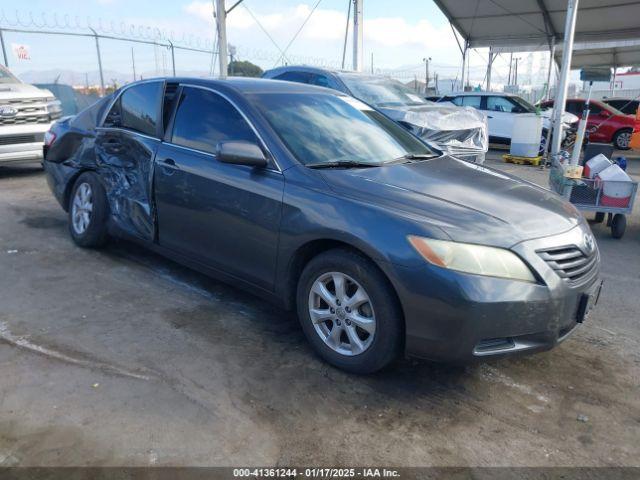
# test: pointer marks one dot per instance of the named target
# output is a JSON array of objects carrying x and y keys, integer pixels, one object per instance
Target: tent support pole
[{"x": 563, "y": 86}]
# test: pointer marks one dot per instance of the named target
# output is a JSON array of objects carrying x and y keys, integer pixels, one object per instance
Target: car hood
[
  {"x": 16, "y": 91},
  {"x": 470, "y": 203}
]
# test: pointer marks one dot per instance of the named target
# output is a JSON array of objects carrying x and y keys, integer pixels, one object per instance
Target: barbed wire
[
  {"x": 53, "y": 22},
  {"x": 67, "y": 22}
]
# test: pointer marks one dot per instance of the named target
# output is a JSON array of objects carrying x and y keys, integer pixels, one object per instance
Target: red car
[{"x": 605, "y": 124}]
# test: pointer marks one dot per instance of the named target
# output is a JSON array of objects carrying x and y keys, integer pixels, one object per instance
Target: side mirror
[{"x": 241, "y": 153}]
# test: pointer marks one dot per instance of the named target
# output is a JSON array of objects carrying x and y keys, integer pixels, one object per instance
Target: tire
[
  {"x": 599, "y": 218},
  {"x": 88, "y": 209},
  {"x": 618, "y": 225},
  {"x": 622, "y": 138},
  {"x": 380, "y": 343}
]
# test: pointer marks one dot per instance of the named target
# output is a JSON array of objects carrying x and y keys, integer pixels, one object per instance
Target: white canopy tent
[
  {"x": 607, "y": 54},
  {"x": 519, "y": 24}
]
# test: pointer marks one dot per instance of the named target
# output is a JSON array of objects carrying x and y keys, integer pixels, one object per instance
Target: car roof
[
  {"x": 246, "y": 85},
  {"x": 307, "y": 68},
  {"x": 482, "y": 94}
]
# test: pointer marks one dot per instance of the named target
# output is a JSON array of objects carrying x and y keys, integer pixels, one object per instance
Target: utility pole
[
  {"x": 426, "y": 74},
  {"x": 221, "y": 22},
  {"x": 510, "y": 64},
  {"x": 489, "y": 68},
  {"x": 552, "y": 55},
  {"x": 95, "y": 35},
  {"x": 357, "y": 35},
  {"x": 133, "y": 64},
  {"x": 515, "y": 76},
  {"x": 371, "y": 63}
]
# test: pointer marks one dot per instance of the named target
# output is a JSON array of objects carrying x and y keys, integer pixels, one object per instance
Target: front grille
[
  {"x": 13, "y": 139},
  {"x": 25, "y": 120},
  {"x": 30, "y": 111},
  {"x": 571, "y": 263}
]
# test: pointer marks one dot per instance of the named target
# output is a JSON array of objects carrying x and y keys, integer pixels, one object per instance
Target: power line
[{"x": 299, "y": 30}]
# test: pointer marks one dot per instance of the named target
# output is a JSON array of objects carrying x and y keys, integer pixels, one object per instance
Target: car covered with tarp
[{"x": 458, "y": 131}]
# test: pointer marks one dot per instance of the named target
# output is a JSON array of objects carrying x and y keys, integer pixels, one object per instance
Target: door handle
[
  {"x": 169, "y": 166},
  {"x": 489, "y": 116}
]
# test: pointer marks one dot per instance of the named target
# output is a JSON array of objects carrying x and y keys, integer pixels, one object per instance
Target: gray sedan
[{"x": 311, "y": 199}]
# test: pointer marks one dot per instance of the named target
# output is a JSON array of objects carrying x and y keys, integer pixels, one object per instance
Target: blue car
[{"x": 312, "y": 199}]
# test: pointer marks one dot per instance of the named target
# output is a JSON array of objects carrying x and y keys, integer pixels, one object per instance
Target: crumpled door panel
[{"x": 125, "y": 163}]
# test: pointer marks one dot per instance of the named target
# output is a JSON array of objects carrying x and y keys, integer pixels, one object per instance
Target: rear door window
[
  {"x": 204, "y": 118},
  {"x": 298, "y": 77},
  {"x": 501, "y": 104},
  {"x": 140, "y": 106},
  {"x": 474, "y": 101},
  {"x": 137, "y": 109},
  {"x": 323, "y": 81}
]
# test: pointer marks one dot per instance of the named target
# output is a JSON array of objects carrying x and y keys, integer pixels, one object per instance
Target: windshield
[
  {"x": 381, "y": 91},
  {"x": 325, "y": 128},
  {"x": 7, "y": 77}
]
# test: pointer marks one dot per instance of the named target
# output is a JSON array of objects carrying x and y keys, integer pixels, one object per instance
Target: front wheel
[
  {"x": 88, "y": 212},
  {"x": 622, "y": 139},
  {"x": 349, "y": 312}
]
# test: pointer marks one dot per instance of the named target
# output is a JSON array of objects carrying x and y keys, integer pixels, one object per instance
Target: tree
[{"x": 243, "y": 69}]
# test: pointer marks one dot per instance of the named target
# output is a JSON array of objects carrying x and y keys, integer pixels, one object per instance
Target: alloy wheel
[
  {"x": 82, "y": 208},
  {"x": 623, "y": 141},
  {"x": 342, "y": 313}
]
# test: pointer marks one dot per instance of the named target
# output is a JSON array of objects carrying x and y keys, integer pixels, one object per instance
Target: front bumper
[
  {"x": 22, "y": 143},
  {"x": 457, "y": 317}
]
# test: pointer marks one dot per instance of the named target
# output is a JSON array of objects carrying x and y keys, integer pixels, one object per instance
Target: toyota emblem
[{"x": 589, "y": 243}]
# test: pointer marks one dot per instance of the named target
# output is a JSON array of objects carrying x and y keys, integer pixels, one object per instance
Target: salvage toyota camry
[{"x": 310, "y": 198}]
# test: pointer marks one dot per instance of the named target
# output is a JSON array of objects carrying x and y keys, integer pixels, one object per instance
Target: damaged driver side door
[{"x": 125, "y": 148}]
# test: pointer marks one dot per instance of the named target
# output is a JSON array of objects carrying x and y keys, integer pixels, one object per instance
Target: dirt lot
[{"x": 120, "y": 357}]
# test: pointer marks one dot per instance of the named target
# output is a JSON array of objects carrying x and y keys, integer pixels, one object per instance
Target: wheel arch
[
  {"x": 69, "y": 187},
  {"x": 307, "y": 251},
  {"x": 620, "y": 130}
]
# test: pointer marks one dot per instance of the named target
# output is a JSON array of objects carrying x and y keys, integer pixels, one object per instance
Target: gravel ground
[{"x": 120, "y": 357}]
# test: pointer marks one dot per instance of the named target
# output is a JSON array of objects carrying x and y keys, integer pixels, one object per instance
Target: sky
[{"x": 398, "y": 34}]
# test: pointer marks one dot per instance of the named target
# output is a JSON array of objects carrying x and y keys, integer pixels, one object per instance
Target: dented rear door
[{"x": 125, "y": 148}]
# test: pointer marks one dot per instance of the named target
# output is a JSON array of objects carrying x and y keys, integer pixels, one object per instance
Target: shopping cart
[{"x": 590, "y": 195}]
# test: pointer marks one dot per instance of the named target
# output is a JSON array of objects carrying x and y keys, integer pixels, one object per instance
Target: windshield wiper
[
  {"x": 414, "y": 156},
  {"x": 342, "y": 164}
]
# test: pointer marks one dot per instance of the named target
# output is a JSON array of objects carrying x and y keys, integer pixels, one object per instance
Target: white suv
[
  {"x": 500, "y": 109},
  {"x": 26, "y": 113}
]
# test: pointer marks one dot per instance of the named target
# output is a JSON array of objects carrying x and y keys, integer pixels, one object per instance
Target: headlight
[
  {"x": 476, "y": 259},
  {"x": 54, "y": 108}
]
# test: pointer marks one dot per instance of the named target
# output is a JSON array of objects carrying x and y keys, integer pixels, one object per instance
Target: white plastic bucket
[
  {"x": 616, "y": 185},
  {"x": 596, "y": 165},
  {"x": 526, "y": 134}
]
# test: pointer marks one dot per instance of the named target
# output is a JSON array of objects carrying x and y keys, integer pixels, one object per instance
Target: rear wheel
[
  {"x": 88, "y": 212},
  {"x": 618, "y": 225},
  {"x": 349, "y": 312},
  {"x": 622, "y": 139}
]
